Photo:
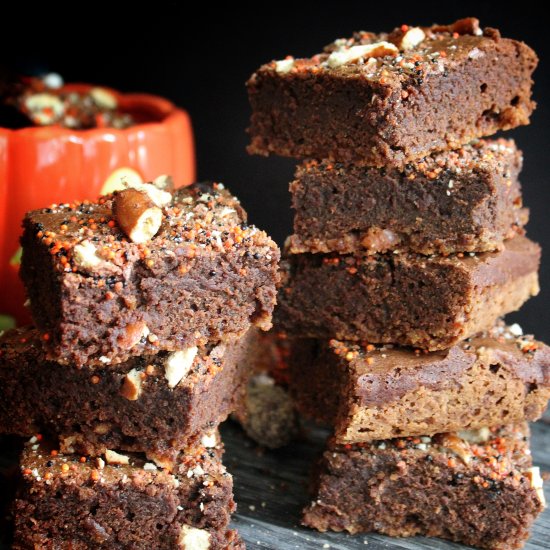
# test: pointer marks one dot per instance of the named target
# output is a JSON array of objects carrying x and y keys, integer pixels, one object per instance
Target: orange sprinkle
[
  {"x": 53, "y": 452},
  {"x": 64, "y": 467},
  {"x": 27, "y": 472},
  {"x": 83, "y": 459},
  {"x": 45, "y": 337},
  {"x": 95, "y": 379},
  {"x": 94, "y": 475}
]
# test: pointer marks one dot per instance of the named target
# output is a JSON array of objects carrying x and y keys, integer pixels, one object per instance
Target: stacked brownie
[
  {"x": 145, "y": 303},
  {"x": 408, "y": 248}
]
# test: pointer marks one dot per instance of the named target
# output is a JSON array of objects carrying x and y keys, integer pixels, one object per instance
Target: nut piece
[
  {"x": 44, "y": 108},
  {"x": 468, "y": 25},
  {"x": 103, "y": 98},
  {"x": 378, "y": 49},
  {"x": 412, "y": 38},
  {"x": 284, "y": 65},
  {"x": 162, "y": 461},
  {"x": 191, "y": 538},
  {"x": 481, "y": 435},
  {"x": 131, "y": 387},
  {"x": 178, "y": 364},
  {"x": 133, "y": 333},
  {"x": 113, "y": 457},
  {"x": 453, "y": 443},
  {"x": 158, "y": 196},
  {"x": 209, "y": 440},
  {"x": 533, "y": 475},
  {"x": 137, "y": 215},
  {"x": 85, "y": 255},
  {"x": 164, "y": 182}
]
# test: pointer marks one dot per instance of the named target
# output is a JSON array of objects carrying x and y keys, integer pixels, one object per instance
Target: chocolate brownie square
[
  {"x": 143, "y": 270},
  {"x": 429, "y": 302},
  {"x": 390, "y": 98},
  {"x": 368, "y": 392},
  {"x": 122, "y": 501},
  {"x": 468, "y": 200},
  {"x": 155, "y": 404},
  {"x": 477, "y": 488}
]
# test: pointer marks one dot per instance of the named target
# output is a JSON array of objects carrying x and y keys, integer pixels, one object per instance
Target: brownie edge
[
  {"x": 368, "y": 392},
  {"x": 390, "y": 98},
  {"x": 406, "y": 299},
  {"x": 465, "y": 200},
  {"x": 122, "y": 502},
  {"x": 98, "y": 297},
  {"x": 477, "y": 488}
]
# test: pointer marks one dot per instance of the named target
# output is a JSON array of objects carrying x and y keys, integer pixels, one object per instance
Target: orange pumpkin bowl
[{"x": 50, "y": 164}]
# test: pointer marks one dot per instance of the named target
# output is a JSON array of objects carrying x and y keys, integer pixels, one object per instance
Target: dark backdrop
[{"x": 201, "y": 62}]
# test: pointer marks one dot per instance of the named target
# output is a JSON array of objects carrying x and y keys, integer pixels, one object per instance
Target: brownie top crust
[
  {"x": 404, "y": 56},
  {"x": 198, "y": 219},
  {"x": 386, "y": 373}
]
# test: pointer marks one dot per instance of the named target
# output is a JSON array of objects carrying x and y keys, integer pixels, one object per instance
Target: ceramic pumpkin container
[{"x": 41, "y": 165}]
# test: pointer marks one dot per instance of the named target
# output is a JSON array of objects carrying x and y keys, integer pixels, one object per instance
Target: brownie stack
[
  {"x": 144, "y": 303},
  {"x": 408, "y": 248}
]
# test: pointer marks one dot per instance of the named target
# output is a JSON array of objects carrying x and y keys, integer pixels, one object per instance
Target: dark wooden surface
[{"x": 271, "y": 489}]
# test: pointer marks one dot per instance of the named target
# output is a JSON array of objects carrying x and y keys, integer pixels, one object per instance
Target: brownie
[
  {"x": 389, "y": 98},
  {"x": 427, "y": 302},
  {"x": 123, "y": 502},
  {"x": 463, "y": 487},
  {"x": 369, "y": 392},
  {"x": 468, "y": 200},
  {"x": 104, "y": 287},
  {"x": 156, "y": 404}
]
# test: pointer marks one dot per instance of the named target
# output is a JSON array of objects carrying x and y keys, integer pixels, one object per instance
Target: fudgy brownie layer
[
  {"x": 380, "y": 392},
  {"x": 155, "y": 403},
  {"x": 387, "y": 99},
  {"x": 97, "y": 296},
  {"x": 478, "y": 488},
  {"x": 427, "y": 302},
  {"x": 68, "y": 501},
  {"x": 468, "y": 200}
]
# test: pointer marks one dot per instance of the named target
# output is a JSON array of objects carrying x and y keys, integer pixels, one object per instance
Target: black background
[{"x": 201, "y": 60}]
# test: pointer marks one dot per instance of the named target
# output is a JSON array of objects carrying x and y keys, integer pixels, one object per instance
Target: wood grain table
[{"x": 271, "y": 489}]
